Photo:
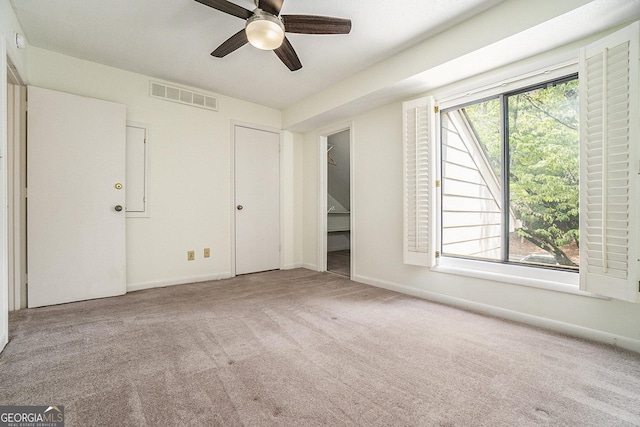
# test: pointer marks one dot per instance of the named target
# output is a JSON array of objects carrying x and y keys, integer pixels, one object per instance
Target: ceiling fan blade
[
  {"x": 233, "y": 43},
  {"x": 313, "y": 24},
  {"x": 288, "y": 55},
  {"x": 271, "y": 6},
  {"x": 228, "y": 7}
]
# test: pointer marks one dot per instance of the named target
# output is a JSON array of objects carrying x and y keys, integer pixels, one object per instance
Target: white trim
[
  {"x": 16, "y": 201},
  {"x": 310, "y": 266},
  {"x": 147, "y": 206},
  {"x": 179, "y": 281},
  {"x": 12, "y": 238},
  {"x": 13, "y": 76},
  {"x": 541, "y": 322},
  {"x": 352, "y": 208},
  {"x": 551, "y": 280},
  {"x": 282, "y": 184},
  {"x": 4, "y": 289},
  {"x": 322, "y": 204},
  {"x": 492, "y": 86},
  {"x": 292, "y": 266},
  {"x": 323, "y": 190},
  {"x": 232, "y": 195}
]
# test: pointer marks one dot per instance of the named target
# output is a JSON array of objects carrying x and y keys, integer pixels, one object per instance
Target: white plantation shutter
[
  {"x": 419, "y": 139},
  {"x": 609, "y": 145}
]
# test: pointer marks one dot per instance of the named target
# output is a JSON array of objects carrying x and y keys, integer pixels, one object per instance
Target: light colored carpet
[{"x": 299, "y": 348}]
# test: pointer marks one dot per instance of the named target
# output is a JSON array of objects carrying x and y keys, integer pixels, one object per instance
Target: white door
[
  {"x": 75, "y": 215},
  {"x": 257, "y": 200}
]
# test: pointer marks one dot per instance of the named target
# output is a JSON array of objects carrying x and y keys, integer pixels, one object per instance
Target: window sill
[{"x": 551, "y": 280}]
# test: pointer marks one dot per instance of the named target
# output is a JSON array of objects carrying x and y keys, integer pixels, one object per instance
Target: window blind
[
  {"x": 609, "y": 165},
  {"x": 418, "y": 136}
]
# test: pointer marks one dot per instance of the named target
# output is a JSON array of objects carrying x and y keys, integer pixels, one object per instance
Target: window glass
[
  {"x": 471, "y": 189},
  {"x": 544, "y": 148},
  {"x": 524, "y": 212}
]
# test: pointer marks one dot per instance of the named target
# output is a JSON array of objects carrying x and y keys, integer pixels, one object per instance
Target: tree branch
[
  {"x": 562, "y": 258},
  {"x": 546, "y": 113}
]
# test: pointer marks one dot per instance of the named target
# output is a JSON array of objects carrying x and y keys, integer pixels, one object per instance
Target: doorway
[
  {"x": 16, "y": 182},
  {"x": 339, "y": 203},
  {"x": 12, "y": 132}
]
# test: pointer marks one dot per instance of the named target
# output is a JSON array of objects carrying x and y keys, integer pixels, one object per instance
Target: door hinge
[
  {"x": 437, "y": 183},
  {"x": 26, "y": 192},
  {"x": 437, "y": 254},
  {"x": 436, "y": 109}
]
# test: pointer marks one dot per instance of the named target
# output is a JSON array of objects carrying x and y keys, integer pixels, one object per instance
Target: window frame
[
  {"x": 520, "y": 274},
  {"x": 504, "y": 173}
]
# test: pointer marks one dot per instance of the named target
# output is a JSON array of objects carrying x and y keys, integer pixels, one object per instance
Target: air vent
[{"x": 182, "y": 96}]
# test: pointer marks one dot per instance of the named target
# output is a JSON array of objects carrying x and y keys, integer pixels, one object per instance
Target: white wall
[
  {"x": 189, "y": 171},
  {"x": 378, "y": 254}
]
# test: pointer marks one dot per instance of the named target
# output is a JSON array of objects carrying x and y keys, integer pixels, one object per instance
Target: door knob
[
  {"x": 239, "y": 207},
  {"x": 118, "y": 208}
]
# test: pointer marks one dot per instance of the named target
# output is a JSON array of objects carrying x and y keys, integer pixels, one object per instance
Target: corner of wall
[{"x": 9, "y": 26}]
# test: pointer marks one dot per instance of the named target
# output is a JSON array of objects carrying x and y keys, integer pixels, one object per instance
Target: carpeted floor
[
  {"x": 339, "y": 262},
  {"x": 299, "y": 348}
]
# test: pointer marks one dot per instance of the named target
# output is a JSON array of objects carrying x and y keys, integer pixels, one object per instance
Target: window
[
  {"x": 510, "y": 177},
  {"x": 493, "y": 188}
]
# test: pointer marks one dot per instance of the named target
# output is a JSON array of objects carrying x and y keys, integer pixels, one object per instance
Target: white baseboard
[
  {"x": 172, "y": 282},
  {"x": 292, "y": 266},
  {"x": 310, "y": 266},
  {"x": 541, "y": 322}
]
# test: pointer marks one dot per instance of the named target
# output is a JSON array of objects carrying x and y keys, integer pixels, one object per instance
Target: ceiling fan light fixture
[{"x": 265, "y": 31}]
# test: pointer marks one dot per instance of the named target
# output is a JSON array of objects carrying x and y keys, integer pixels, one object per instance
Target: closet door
[{"x": 257, "y": 200}]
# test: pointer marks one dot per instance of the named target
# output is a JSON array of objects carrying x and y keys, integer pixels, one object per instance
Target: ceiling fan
[{"x": 265, "y": 28}]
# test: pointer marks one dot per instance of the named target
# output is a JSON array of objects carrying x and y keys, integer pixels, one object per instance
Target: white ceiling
[{"x": 172, "y": 40}]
